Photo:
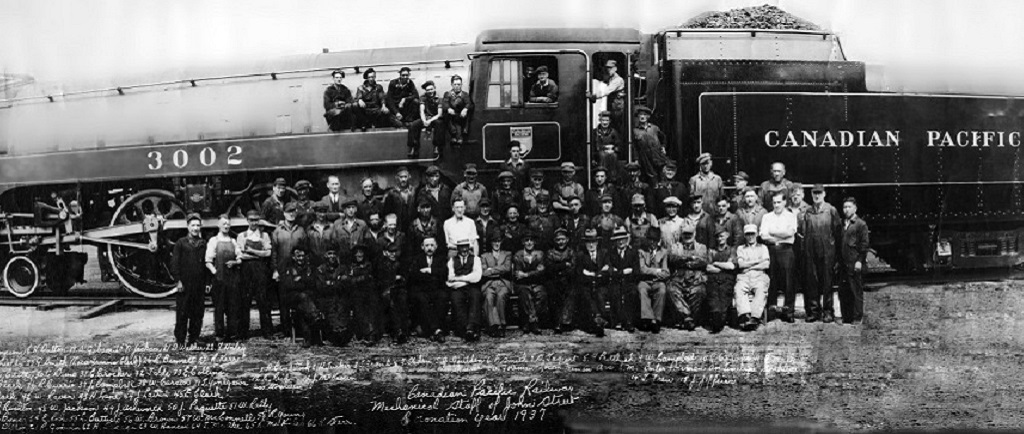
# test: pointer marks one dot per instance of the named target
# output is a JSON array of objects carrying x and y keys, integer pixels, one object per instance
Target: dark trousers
[
  {"x": 457, "y": 127},
  {"x": 721, "y": 288},
  {"x": 228, "y": 320},
  {"x": 533, "y": 302},
  {"x": 416, "y": 129},
  {"x": 307, "y": 315},
  {"x": 818, "y": 284},
  {"x": 366, "y": 312},
  {"x": 340, "y": 122},
  {"x": 188, "y": 321},
  {"x": 851, "y": 293},
  {"x": 396, "y": 311},
  {"x": 466, "y": 303},
  {"x": 781, "y": 271},
  {"x": 373, "y": 117},
  {"x": 624, "y": 301},
  {"x": 431, "y": 306},
  {"x": 254, "y": 276},
  {"x": 585, "y": 306},
  {"x": 337, "y": 312},
  {"x": 558, "y": 290}
]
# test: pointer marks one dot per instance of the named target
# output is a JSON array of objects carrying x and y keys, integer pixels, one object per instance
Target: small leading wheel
[
  {"x": 21, "y": 276},
  {"x": 146, "y": 272}
]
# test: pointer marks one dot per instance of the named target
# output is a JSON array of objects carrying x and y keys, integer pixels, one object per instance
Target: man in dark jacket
[
  {"x": 854, "y": 249},
  {"x": 428, "y": 117},
  {"x": 400, "y": 199},
  {"x": 338, "y": 104},
  {"x": 428, "y": 272},
  {"x": 189, "y": 269},
  {"x": 297, "y": 286},
  {"x": 395, "y": 301},
  {"x": 586, "y": 303},
  {"x": 403, "y": 100},
  {"x": 624, "y": 272},
  {"x": 819, "y": 226},
  {"x": 457, "y": 106},
  {"x": 370, "y": 110},
  {"x": 332, "y": 300}
]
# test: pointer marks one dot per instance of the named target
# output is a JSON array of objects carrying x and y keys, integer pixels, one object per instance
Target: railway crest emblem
[{"x": 525, "y": 137}]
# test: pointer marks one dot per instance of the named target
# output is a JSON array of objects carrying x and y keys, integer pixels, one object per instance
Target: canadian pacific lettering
[{"x": 889, "y": 139}]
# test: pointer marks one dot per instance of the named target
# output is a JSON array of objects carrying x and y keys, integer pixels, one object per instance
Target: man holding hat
[
  {"x": 671, "y": 225},
  {"x": 403, "y": 100},
  {"x": 820, "y": 226},
  {"x": 707, "y": 183},
  {"x": 273, "y": 207},
  {"x": 751, "y": 292},
  {"x": 544, "y": 90},
  {"x": 254, "y": 249},
  {"x": 400, "y": 199},
  {"x": 464, "y": 273},
  {"x": 559, "y": 264},
  {"x": 624, "y": 271},
  {"x": 370, "y": 110},
  {"x": 586, "y": 303},
  {"x": 497, "y": 270},
  {"x": 348, "y": 230},
  {"x": 428, "y": 116},
  {"x": 649, "y": 142},
  {"x": 567, "y": 188},
  {"x": 188, "y": 268},
  {"x": 437, "y": 193},
  {"x": 470, "y": 191},
  {"x": 688, "y": 261},
  {"x": 456, "y": 106},
  {"x": 528, "y": 275},
  {"x": 639, "y": 222},
  {"x": 338, "y": 103},
  {"x": 634, "y": 185},
  {"x": 667, "y": 186},
  {"x": 304, "y": 214}
]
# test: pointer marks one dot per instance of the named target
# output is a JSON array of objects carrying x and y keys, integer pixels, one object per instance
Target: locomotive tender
[{"x": 118, "y": 167}]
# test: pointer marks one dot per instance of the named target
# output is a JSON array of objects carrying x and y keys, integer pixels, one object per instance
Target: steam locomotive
[{"x": 118, "y": 166}]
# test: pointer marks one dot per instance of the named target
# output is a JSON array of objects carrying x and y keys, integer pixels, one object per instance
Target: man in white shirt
[
  {"x": 460, "y": 227},
  {"x": 464, "y": 273},
  {"x": 752, "y": 259},
  {"x": 778, "y": 231}
]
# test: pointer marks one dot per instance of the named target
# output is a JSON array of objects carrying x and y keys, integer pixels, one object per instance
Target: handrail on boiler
[{"x": 194, "y": 81}]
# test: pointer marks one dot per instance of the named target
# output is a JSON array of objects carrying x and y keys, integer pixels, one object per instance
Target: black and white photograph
[{"x": 529, "y": 216}]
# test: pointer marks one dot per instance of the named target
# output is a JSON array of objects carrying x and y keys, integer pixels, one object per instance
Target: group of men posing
[{"x": 434, "y": 260}]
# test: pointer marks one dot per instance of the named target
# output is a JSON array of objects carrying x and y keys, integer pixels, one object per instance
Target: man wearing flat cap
[
  {"x": 649, "y": 142},
  {"x": 639, "y": 222},
  {"x": 740, "y": 181},
  {"x": 634, "y": 185},
  {"x": 536, "y": 187},
  {"x": 688, "y": 261},
  {"x": 614, "y": 89},
  {"x": 304, "y": 214},
  {"x": 437, "y": 193},
  {"x": 370, "y": 111},
  {"x": 273, "y": 207},
  {"x": 528, "y": 275},
  {"x": 567, "y": 188},
  {"x": 707, "y": 183},
  {"x": 671, "y": 224},
  {"x": 666, "y": 186},
  {"x": 286, "y": 236},
  {"x": 470, "y": 191},
  {"x": 543, "y": 222},
  {"x": 349, "y": 230},
  {"x": 254, "y": 250},
  {"x": 600, "y": 188},
  {"x": 751, "y": 292},
  {"x": 545, "y": 90},
  {"x": 606, "y": 221},
  {"x": 624, "y": 272},
  {"x": 506, "y": 194}
]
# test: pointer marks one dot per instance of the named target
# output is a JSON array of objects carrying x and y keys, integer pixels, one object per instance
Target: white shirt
[
  {"x": 211, "y": 247},
  {"x": 456, "y": 229},
  {"x": 756, "y": 253},
  {"x": 778, "y": 228}
]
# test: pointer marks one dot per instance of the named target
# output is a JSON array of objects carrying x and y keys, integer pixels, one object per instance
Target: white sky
[{"x": 941, "y": 46}]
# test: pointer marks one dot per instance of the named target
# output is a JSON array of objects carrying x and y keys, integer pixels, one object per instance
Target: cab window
[{"x": 514, "y": 82}]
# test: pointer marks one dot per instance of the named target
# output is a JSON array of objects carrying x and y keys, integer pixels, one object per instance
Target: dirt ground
[{"x": 926, "y": 357}]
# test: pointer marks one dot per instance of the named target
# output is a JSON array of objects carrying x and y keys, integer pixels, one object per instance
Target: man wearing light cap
[
  {"x": 667, "y": 186},
  {"x": 649, "y": 142},
  {"x": 671, "y": 224},
  {"x": 545, "y": 90},
  {"x": 820, "y": 226},
  {"x": 688, "y": 261},
  {"x": 707, "y": 183},
  {"x": 752, "y": 261},
  {"x": 640, "y": 222},
  {"x": 567, "y": 188},
  {"x": 273, "y": 207},
  {"x": 464, "y": 273},
  {"x": 471, "y": 191}
]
